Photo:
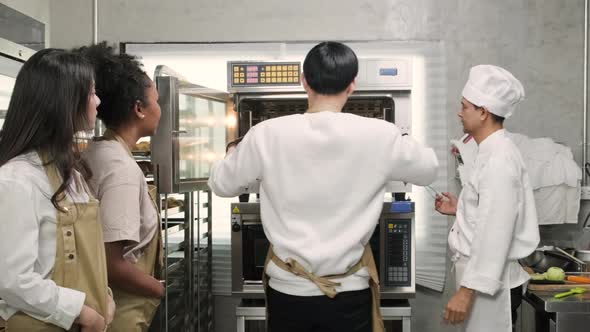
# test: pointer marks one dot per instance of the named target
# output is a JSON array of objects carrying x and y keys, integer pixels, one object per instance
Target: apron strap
[
  {"x": 65, "y": 222},
  {"x": 368, "y": 261},
  {"x": 153, "y": 193},
  {"x": 55, "y": 180},
  {"x": 51, "y": 171},
  {"x": 110, "y": 135}
]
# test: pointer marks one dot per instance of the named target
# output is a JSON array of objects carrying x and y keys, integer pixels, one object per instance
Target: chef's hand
[
  {"x": 446, "y": 203},
  {"x": 110, "y": 309},
  {"x": 459, "y": 306},
  {"x": 90, "y": 320}
]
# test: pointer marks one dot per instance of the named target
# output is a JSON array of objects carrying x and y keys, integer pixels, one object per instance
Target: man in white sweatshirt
[{"x": 322, "y": 177}]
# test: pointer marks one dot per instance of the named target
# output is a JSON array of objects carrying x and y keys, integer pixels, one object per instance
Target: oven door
[
  {"x": 254, "y": 108},
  {"x": 195, "y": 125},
  {"x": 249, "y": 248},
  {"x": 254, "y": 249}
]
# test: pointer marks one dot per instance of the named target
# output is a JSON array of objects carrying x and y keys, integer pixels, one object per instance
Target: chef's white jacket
[{"x": 496, "y": 220}]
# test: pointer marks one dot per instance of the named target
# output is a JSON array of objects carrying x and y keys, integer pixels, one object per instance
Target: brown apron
[
  {"x": 327, "y": 286},
  {"x": 134, "y": 313},
  {"x": 80, "y": 261}
]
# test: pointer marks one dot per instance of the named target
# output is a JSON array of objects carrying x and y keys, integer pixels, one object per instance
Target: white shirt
[
  {"x": 496, "y": 220},
  {"x": 127, "y": 212},
  {"x": 322, "y": 182},
  {"x": 28, "y": 244}
]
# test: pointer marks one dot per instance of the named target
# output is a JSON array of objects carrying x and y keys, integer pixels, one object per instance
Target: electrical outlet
[{"x": 585, "y": 194}]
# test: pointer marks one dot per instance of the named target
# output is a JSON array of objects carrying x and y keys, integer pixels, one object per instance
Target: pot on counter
[
  {"x": 541, "y": 260},
  {"x": 583, "y": 255}
]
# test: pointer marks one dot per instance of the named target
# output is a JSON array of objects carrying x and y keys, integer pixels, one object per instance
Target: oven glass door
[
  {"x": 254, "y": 250},
  {"x": 194, "y": 127}
]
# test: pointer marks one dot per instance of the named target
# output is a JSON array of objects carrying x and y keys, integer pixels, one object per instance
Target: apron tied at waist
[{"x": 328, "y": 287}]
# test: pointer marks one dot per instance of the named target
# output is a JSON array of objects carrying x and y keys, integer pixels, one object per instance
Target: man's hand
[
  {"x": 446, "y": 203},
  {"x": 459, "y": 306}
]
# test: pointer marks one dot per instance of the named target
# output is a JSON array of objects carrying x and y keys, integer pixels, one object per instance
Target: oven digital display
[
  {"x": 397, "y": 252},
  {"x": 265, "y": 74}
]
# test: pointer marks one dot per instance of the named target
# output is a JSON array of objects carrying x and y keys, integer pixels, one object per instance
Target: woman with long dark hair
[
  {"x": 53, "y": 262},
  {"x": 129, "y": 217}
]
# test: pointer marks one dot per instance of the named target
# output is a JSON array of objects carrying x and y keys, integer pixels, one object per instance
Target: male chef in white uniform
[{"x": 496, "y": 219}]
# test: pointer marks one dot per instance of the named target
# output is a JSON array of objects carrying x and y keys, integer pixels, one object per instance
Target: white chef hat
[{"x": 494, "y": 88}]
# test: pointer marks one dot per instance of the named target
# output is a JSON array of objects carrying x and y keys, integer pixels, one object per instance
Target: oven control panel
[
  {"x": 398, "y": 252},
  {"x": 255, "y": 74}
]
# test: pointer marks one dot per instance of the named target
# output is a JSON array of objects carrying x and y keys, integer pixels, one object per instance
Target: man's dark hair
[
  {"x": 330, "y": 67},
  {"x": 498, "y": 119}
]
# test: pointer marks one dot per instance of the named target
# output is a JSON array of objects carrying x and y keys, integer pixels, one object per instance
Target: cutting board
[{"x": 561, "y": 287}]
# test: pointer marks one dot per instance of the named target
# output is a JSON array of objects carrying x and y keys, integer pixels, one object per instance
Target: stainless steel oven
[
  {"x": 393, "y": 245},
  {"x": 270, "y": 89}
]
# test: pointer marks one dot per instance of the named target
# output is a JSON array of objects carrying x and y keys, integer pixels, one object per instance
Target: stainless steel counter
[
  {"x": 569, "y": 314},
  {"x": 544, "y": 300}
]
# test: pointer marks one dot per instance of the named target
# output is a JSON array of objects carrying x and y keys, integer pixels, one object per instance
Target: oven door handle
[{"x": 251, "y": 222}]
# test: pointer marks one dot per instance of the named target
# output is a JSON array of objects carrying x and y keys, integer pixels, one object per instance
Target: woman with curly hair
[{"x": 129, "y": 217}]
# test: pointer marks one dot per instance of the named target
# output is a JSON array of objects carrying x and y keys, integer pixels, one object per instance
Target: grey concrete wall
[
  {"x": 37, "y": 9},
  {"x": 540, "y": 41}
]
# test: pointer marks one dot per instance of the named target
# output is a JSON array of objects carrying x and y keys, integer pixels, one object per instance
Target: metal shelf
[{"x": 189, "y": 269}]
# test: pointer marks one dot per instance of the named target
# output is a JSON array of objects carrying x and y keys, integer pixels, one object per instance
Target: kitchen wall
[
  {"x": 541, "y": 42},
  {"x": 37, "y": 9}
]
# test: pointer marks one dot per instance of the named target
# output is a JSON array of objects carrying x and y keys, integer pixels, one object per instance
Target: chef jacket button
[
  {"x": 69, "y": 233},
  {"x": 71, "y": 256}
]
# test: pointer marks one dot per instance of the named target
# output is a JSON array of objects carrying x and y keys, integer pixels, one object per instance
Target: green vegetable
[
  {"x": 538, "y": 276},
  {"x": 555, "y": 274}
]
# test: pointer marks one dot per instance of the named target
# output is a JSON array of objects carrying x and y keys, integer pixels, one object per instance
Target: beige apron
[
  {"x": 135, "y": 312},
  {"x": 80, "y": 261},
  {"x": 327, "y": 286}
]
